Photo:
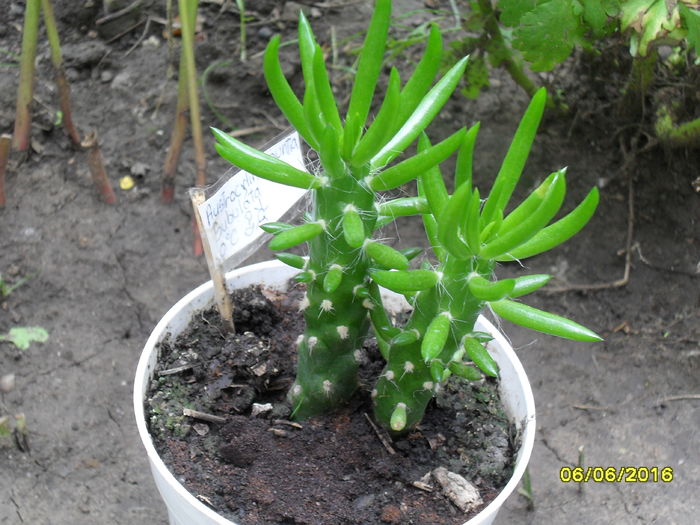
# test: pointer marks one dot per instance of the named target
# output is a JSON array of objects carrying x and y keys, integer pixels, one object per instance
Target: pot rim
[{"x": 143, "y": 377}]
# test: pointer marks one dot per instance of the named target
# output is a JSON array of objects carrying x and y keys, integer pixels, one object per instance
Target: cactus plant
[
  {"x": 468, "y": 240},
  {"x": 339, "y": 228},
  {"x": 346, "y": 264}
]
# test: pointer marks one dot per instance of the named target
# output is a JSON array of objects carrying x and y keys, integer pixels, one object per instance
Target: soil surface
[
  {"x": 337, "y": 469},
  {"x": 100, "y": 276}
]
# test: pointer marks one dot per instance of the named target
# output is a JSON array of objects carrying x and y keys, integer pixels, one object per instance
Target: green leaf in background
[
  {"x": 476, "y": 77},
  {"x": 546, "y": 35},
  {"x": 513, "y": 10},
  {"x": 23, "y": 336},
  {"x": 691, "y": 17}
]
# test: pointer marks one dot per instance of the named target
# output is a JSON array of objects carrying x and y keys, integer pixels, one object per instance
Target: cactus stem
[{"x": 342, "y": 331}]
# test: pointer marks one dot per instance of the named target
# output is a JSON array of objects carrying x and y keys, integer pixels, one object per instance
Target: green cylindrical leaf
[
  {"x": 398, "y": 417},
  {"x": 353, "y": 228},
  {"x": 529, "y": 205},
  {"x": 378, "y": 132},
  {"x": 436, "y": 335},
  {"x": 411, "y": 253},
  {"x": 465, "y": 158},
  {"x": 351, "y": 136},
  {"x": 307, "y": 48},
  {"x": 429, "y": 106},
  {"x": 541, "y": 321},
  {"x": 472, "y": 232},
  {"x": 480, "y": 356},
  {"x": 330, "y": 153},
  {"x": 305, "y": 277},
  {"x": 282, "y": 92},
  {"x": 404, "y": 206},
  {"x": 406, "y": 338},
  {"x": 326, "y": 99},
  {"x": 432, "y": 181},
  {"x": 515, "y": 159},
  {"x": 437, "y": 370},
  {"x": 507, "y": 241},
  {"x": 312, "y": 113},
  {"x": 262, "y": 164},
  {"x": 296, "y": 235},
  {"x": 404, "y": 281},
  {"x": 380, "y": 320},
  {"x": 410, "y": 168},
  {"x": 431, "y": 229},
  {"x": 486, "y": 290},
  {"x": 464, "y": 371},
  {"x": 422, "y": 78},
  {"x": 370, "y": 62},
  {"x": 558, "y": 232},
  {"x": 333, "y": 277},
  {"x": 275, "y": 227},
  {"x": 385, "y": 255},
  {"x": 491, "y": 230},
  {"x": 528, "y": 284},
  {"x": 450, "y": 217},
  {"x": 291, "y": 259}
]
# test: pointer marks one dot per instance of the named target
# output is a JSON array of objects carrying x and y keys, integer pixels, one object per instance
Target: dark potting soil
[{"x": 263, "y": 469}]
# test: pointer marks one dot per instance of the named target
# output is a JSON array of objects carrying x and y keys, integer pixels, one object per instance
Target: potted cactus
[{"x": 348, "y": 265}]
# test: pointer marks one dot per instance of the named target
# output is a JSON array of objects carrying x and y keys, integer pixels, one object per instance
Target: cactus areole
[{"x": 347, "y": 264}]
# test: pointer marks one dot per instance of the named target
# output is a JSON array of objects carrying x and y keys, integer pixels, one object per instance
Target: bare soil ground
[{"x": 101, "y": 276}]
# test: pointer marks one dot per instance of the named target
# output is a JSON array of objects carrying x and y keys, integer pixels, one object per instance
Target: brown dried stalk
[
  {"x": 176, "y": 139},
  {"x": 61, "y": 80},
  {"x": 97, "y": 168}
]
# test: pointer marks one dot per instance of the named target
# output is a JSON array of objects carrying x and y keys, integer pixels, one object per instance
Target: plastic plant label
[{"x": 238, "y": 203}]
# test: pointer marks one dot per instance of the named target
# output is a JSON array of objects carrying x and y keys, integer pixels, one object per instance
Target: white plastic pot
[{"x": 185, "y": 509}]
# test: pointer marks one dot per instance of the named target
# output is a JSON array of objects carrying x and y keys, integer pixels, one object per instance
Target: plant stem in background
[
  {"x": 188, "y": 18},
  {"x": 61, "y": 80},
  {"x": 241, "y": 18},
  {"x": 97, "y": 168},
  {"x": 638, "y": 83},
  {"x": 5, "y": 141},
  {"x": 23, "y": 118},
  {"x": 178, "y": 136},
  {"x": 514, "y": 69}
]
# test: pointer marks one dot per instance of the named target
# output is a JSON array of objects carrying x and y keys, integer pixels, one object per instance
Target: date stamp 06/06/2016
[{"x": 616, "y": 474}]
